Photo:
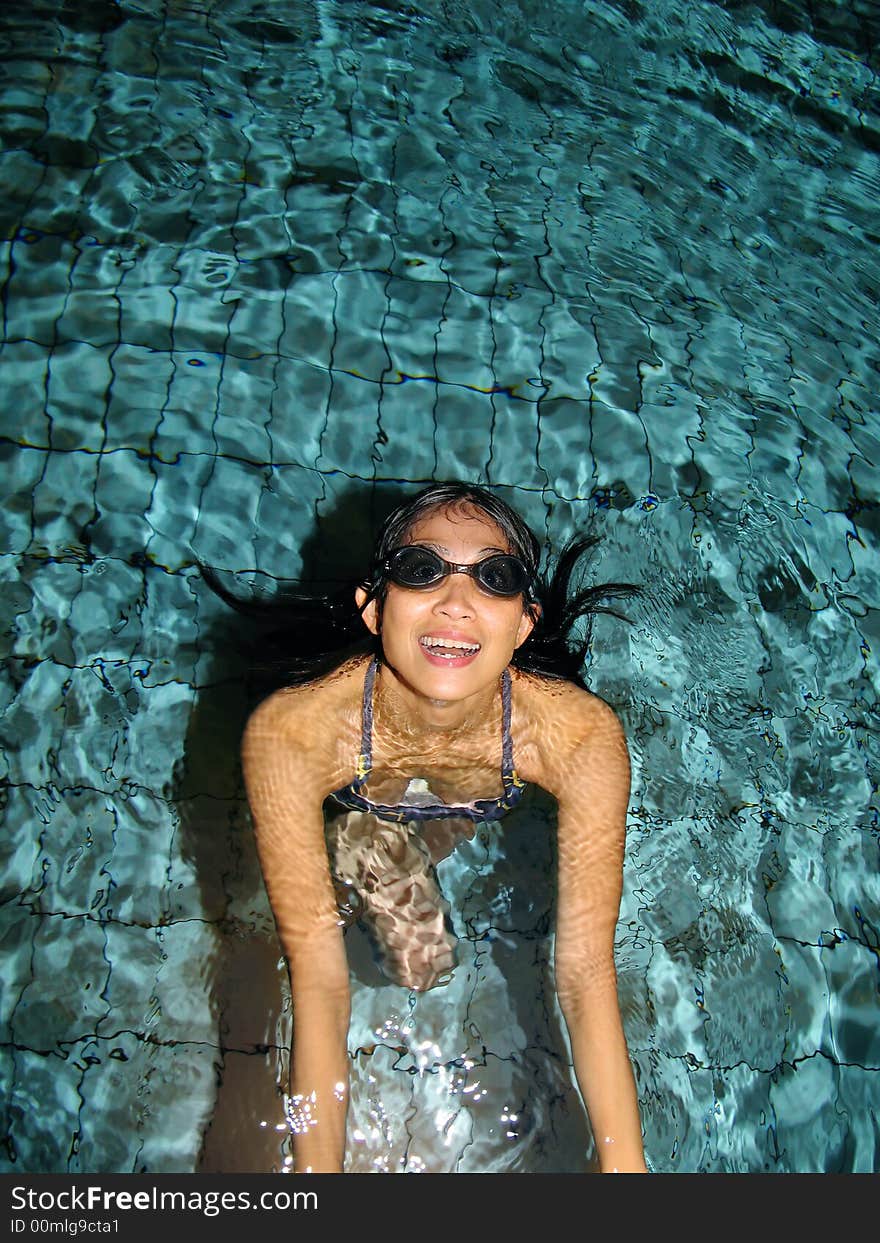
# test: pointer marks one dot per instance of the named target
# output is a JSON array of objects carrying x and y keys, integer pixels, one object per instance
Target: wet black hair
[{"x": 304, "y": 634}]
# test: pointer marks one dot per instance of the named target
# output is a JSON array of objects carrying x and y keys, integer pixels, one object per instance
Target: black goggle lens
[{"x": 414, "y": 566}]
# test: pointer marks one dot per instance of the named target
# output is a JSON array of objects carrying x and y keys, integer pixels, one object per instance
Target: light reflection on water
[{"x": 264, "y": 265}]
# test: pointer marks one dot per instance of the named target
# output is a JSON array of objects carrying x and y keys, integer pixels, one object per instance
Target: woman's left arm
[{"x": 592, "y": 783}]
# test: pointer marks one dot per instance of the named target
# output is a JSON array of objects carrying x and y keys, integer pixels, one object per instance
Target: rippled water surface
[{"x": 264, "y": 267}]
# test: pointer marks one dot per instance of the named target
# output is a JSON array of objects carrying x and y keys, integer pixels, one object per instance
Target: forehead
[{"x": 458, "y": 525}]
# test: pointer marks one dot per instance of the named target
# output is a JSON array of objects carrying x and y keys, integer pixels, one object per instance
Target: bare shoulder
[
  {"x": 572, "y": 735},
  {"x": 310, "y": 725},
  {"x": 569, "y": 713}
]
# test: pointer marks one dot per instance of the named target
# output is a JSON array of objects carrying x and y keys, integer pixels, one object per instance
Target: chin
[{"x": 456, "y": 683}]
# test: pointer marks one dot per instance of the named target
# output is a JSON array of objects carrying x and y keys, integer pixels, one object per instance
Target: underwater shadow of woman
[{"x": 244, "y": 978}]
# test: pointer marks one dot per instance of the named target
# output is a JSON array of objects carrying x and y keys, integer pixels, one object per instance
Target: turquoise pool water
[{"x": 266, "y": 265}]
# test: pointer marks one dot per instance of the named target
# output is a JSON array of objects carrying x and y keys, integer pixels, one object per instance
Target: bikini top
[{"x": 480, "y": 809}]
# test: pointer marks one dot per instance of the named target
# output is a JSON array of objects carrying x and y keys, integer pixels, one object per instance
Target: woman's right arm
[{"x": 284, "y": 782}]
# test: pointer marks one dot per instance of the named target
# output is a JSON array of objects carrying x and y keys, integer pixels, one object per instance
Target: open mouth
[{"x": 449, "y": 649}]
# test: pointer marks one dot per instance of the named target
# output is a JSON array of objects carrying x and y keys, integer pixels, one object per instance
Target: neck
[{"x": 399, "y": 702}]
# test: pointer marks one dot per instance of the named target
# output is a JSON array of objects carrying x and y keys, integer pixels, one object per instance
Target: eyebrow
[{"x": 444, "y": 551}]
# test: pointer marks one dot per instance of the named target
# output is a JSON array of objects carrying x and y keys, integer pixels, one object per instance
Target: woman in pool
[{"x": 469, "y": 693}]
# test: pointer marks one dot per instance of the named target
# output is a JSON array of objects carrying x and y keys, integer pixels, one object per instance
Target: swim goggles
[{"x": 416, "y": 567}]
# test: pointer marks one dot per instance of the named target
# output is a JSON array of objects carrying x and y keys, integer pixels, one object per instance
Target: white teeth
[{"x": 456, "y": 644}]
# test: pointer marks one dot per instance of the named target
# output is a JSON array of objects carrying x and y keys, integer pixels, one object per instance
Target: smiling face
[{"x": 452, "y": 640}]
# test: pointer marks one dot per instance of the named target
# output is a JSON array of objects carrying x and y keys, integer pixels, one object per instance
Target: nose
[{"x": 455, "y": 597}]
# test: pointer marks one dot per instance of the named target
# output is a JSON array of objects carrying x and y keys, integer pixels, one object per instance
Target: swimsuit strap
[
  {"x": 508, "y": 773},
  {"x": 365, "y": 759}
]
